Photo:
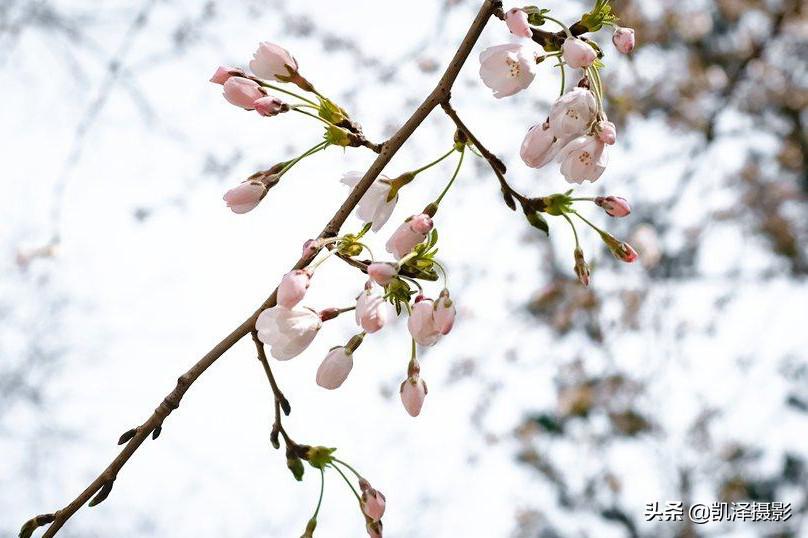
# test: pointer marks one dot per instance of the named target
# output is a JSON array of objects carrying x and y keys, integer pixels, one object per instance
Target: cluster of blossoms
[{"x": 576, "y": 133}]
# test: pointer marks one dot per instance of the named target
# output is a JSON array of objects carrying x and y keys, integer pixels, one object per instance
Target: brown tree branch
[{"x": 103, "y": 483}]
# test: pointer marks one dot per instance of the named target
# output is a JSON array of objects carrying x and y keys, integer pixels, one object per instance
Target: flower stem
[
  {"x": 287, "y": 92},
  {"x": 322, "y": 489},
  {"x": 311, "y": 151},
  {"x": 358, "y": 498},
  {"x": 297, "y": 109},
  {"x": 574, "y": 231},
  {"x": 589, "y": 223},
  {"x": 354, "y": 471},
  {"x": 454, "y": 176},
  {"x": 433, "y": 163},
  {"x": 564, "y": 26},
  {"x": 563, "y": 76}
]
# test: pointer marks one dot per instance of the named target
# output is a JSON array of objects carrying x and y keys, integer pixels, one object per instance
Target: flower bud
[
  {"x": 444, "y": 313},
  {"x": 620, "y": 249},
  {"x": 371, "y": 310},
  {"x": 581, "y": 267},
  {"x": 270, "y": 106},
  {"x": 516, "y": 20},
  {"x": 310, "y": 526},
  {"x": 539, "y": 146},
  {"x": 413, "y": 392},
  {"x": 223, "y": 73},
  {"x": 577, "y": 53},
  {"x": 310, "y": 248},
  {"x": 273, "y": 62},
  {"x": 408, "y": 235},
  {"x": 245, "y": 197},
  {"x": 614, "y": 206},
  {"x": 374, "y": 529},
  {"x": 421, "y": 323},
  {"x": 295, "y": 465},
  {"x": 293, "y": 287},
  {"x": 334, "y": 369},
  {"x": 607, "y": 132},
  {"x": 373, "y": 502},
  {"x": 421, "y": 224},
  {"x": 242, "y": 92},
  {"x": 382, "y": 273},
  {"x": 623, "y": 39}
]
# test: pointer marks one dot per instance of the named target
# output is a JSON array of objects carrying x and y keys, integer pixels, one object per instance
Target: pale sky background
[{"x": 152, "y": 270}]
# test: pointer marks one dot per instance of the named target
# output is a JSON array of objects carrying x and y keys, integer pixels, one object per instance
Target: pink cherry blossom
[
  {"x": 272, "y": 62},
  {"x": 607, "y": 132},
  {"x": 223, "y": 73},
  {"x": 382, "y": 273},
  {"x": 270, "y": 106},
  {"x": 540, "y": 146},
  {"x": 413, "y": 392},
  {"x": 614, "y": 206},
  {"x": 572, "y": 113},
  {"x": 411, "y": 232},
  {"x": 293, "y": 287},
  {"x": 373, "y": 206},
  {"x": 444, "y": 313},
  {"x": 577, "y": 53},
  {"x": 245, "y": 197},
  {"x": 288, "y": 331},
  {"x": 516, "y": 20},
  {"x": 334, "y": 369},
  {"x": 508, "y": 69},
  {"x": 373, "y": 501},
  {"x": 242, "y": 92},
  {"x": 583, "y": 159},
  {"x": 623, "y": 39},
  {"x": 421, "y": 323},
  {"x": 371, "y": 311}
]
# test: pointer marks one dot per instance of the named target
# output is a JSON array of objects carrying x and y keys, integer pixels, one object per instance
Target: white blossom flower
[
  {"x": 583, "y": 159},
  {"x": 373, "y": 207},
  {"x": 508, "y": 69},
  {"x": 287, "y": 331},
  {"x": 572, "y": 113}
]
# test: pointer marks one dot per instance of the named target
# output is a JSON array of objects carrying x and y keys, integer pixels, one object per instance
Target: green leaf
[
  {"x": 330, "y": 112},
  {"x": 537, "y": 221}
]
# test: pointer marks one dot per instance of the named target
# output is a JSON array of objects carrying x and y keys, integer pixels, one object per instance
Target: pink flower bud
[
  {"x": 444, "y": 313},
  {"x": 516, "y": 20},
  {"x": 242, "y": 92},
  {"x": 422, "y": 325},
  {"x": 223, "y": 73},
  {"x": 577, "y": 53},
  {"x": 245, "y": 197},
  {"x": 272, "y": 62},
  {"x": 540, "y": 146},
  {"x": 293, "y": 287},
  {"x": 614, "y": 206},
  {"x": 408, "y": 235},
  {"x": 269, "y": 106},
  {"x": 309, "y": 248},
  {"x": 371, "y": 311},
  {"x": 626, "y": 253},
  {"x": 373, "y": 503},
  {"x": 334, "y": 369},
  {"x": 607, "y": 132},
  {"x": 623, "y": 39},
  {"x": 382, "y": 273},
  {"x": 421, "y": 224},
  {"x": 413, "y": 392}
]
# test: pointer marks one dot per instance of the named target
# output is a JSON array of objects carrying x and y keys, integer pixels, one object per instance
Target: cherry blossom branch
[{"x": 100, "y": 487}]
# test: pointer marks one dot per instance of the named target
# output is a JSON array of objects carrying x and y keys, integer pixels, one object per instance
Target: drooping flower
[
  {"x": 223, "y": 73},
  {"x": 572, "y": 113},
  {"x": 382, "y": 273},
  {"x": 623, "y": 39},
  {"x": 288, "y": 331},
  {"x": 273, "y": 62},
  {"x": 293, "y": 287},
  {"x": 270, "y": 106},
  {"x": 577, "y": 53},
  {"x": 606, "y": 131},
  {"x": 413, "y": 392},
  {"x": 242, "y": 92},
  {"x": 374, "y": 206},
  {"x": 334, "y": 369},
  {"x": 373, "y": 501},
  {"x": 445, "y": 313},
  {"x": 245, "y": 197},
  {"x": 516, "y": 20},
  {"x": 583, "y": 159},
  {"x": 371, "y": 311},
  {"x": 411, "y": 232},
  {"x": 540, "y": 146},
  {"x": 508, "y": 69},
  {"x": 615, "y": 206},
  {"x": 421, "y": 323}
]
